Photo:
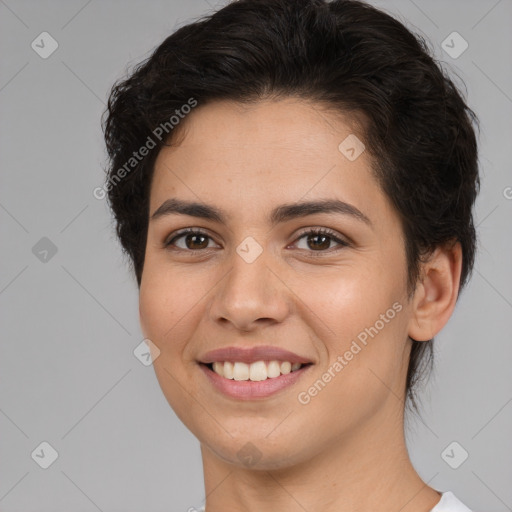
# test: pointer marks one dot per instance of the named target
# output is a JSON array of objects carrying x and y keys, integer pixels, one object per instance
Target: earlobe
[{"x": 436, "y": 294}]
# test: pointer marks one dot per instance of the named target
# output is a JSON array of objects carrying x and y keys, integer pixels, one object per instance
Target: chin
[{"x": 255, "y": 451}]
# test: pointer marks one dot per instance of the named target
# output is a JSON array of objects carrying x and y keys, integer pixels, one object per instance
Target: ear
[{"x": 436, "y": 293}]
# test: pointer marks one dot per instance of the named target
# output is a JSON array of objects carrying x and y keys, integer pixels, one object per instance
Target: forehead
[
  {"x": 258, "y": 155},
  {"x": 292, "y": 124}
]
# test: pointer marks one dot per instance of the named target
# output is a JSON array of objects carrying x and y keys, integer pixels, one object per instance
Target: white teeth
[
  {"x": 218, "y": 368},
  {"x": 256, "y": 371},
  {"x": 286, "y": 367},
  {"x": 241, "y": 371},
  {"x": 228, "y": 370},
  {"x": 273, "y": 369}
]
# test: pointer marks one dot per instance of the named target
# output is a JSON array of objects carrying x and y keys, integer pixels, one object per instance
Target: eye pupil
[
  {"x": 194, "y": 236},
  {"x": 323, "y": 245}
]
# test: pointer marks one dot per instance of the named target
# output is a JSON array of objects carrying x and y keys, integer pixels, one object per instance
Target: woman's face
[{"x": 255, "y": 279}]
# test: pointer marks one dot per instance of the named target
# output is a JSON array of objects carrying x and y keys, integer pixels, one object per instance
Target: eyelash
[{"x": 318, "y": 231}]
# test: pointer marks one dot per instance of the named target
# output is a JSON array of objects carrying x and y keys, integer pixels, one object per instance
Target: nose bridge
[{"x": 250, "y": 291}]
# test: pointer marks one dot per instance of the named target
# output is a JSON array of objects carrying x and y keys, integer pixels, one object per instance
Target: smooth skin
[{"x": 345, "y": 450}]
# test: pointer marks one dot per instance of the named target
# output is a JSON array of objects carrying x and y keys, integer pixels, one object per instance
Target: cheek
[
  {"x": 169, "y": 309},
  {"x": 170, "y": 304},
  {"x": 158, "y": 308},
  {"x": 361, "y": 314},
  {"x": 352, "y": 297},
  {"x": 364, "y": 353}
]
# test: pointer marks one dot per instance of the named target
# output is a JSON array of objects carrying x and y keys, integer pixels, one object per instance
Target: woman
[{"x": 294, "y": 183}]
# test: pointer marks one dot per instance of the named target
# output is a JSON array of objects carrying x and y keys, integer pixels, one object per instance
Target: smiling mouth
[{"x": 254, "y": 372}]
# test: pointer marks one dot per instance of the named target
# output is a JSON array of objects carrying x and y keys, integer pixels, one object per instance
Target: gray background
[{"x": 68, "y": 374}]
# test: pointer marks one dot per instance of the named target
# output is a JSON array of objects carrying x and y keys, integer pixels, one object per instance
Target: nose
[{"x": 251, "y": 295}]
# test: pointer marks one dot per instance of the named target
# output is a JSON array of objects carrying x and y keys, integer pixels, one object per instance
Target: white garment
[{"x": 448, "y": 503}]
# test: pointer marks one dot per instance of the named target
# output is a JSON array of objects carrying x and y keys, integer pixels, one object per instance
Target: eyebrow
[{"x": 282, "y": 213}]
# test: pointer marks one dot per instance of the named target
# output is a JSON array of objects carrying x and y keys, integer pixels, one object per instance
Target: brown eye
[
  {"x": 193, "y": 240},
  {"x": 319, "y": 241},
  {"x": 196, "y": 241}
]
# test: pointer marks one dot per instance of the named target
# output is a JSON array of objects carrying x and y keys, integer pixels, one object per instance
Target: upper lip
[{"x": 252, "y": 354}]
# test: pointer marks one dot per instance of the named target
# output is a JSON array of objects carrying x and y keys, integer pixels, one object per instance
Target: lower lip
[{"x": 249, "y": 390}]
